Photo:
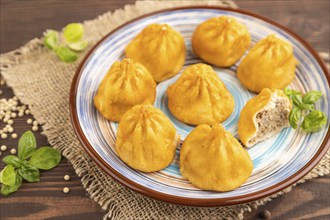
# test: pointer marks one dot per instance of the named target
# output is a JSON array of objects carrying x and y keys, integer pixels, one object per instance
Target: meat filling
[{"x": 271, "y": 120}]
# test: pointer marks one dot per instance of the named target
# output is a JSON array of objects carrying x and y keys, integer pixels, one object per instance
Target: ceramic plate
[{"x": 278, "y": 162}]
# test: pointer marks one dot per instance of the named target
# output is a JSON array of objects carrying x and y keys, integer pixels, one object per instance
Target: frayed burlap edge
[{"x": 40, "y": 80}]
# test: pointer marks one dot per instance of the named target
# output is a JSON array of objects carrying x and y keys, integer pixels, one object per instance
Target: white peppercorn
[
  {"x": 13, "y": 151},
  {"x": 66, "y": 190},
  {"x": 3, "y": 148},
  {"x": 4, "y": 135},
  {"x": 66, "y": 178}
]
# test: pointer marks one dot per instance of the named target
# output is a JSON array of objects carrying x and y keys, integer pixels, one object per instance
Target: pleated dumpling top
[
  {"x": 212, "y": 159},
  {"x": 200, "y": 97},
  {"x": 146, "y": 139},
  {"x": 160, "y": 48},
  {"x": 221, "y": 41},
  {"x": 269, "y": 64},
  {"x": 126, "y": 84}
]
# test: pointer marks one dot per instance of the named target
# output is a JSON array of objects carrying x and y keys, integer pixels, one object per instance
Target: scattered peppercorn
[
  {"x": 265, "y": 214},
  {"x": 13, "y": 151},
  {"x": 66, "y": 177},
  {"x": 66, "y": 190},
  {"x": 3, "y": 148}
]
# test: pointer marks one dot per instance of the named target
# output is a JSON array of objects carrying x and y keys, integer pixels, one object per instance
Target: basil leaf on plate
[
  {"x": 26, "y": 145},
  {"x": 314, "y": 121},
  {"x": 294, "y": 117},
  {"x": 45, "y": 158},
  {"x": 12, "y": 160},
  {"x": 311, "y": 97}
]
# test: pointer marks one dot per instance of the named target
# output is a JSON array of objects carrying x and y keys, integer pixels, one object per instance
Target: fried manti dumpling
[
  {"x": 200, "y": 97},
  {"x": 126, "y": 84},
  {"x": 263, "y": 116},
  {"x": 269, "y": 64},
  {"x": 221, "y": 41},
  {"x": 212, "y": 159},
  {"x": 160, "y": 48},
  {"x": 146, "y": 139}
]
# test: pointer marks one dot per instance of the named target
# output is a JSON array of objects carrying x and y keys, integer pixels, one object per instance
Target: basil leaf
[
  {"x": 6, "y": 190},
  {"x": 307, "y": 107},
  {"x": 51, "y": 39},
  {"x": 73, "y": 32},
  {"x": 294, "y": 117},
  {"x": 26, "y": 145},
  {"x": 290, "y": 92},
  {"x": 314, "y": 121},
  {"x": 12, "y": 160},
  {"x": 8, "y": 175},
  {"x": 45, "y": 158},
  {"x": 29, "y": 172},
  {"x": 297, "y": 100},
  {"x": 78, "y": 46},
  {"x": 66, "y": 55},
  {"x": 311, "y": 97}
]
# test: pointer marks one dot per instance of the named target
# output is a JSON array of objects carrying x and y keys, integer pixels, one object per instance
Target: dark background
[{"x": 22, "y": 21}]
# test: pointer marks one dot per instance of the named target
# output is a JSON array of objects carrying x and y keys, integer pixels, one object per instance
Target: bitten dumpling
[
  {"x": 221, "y": 41},
  {"x": 212, "y": 159},
  {"x": 126, "y": 84},
  {"x": 146, "y": 139},
  {"x": 269, "y": 64},
  {"x": 200, "y": 97},
  {"x": 160, "y": 48},
  {"x": 263, "y": 116}
]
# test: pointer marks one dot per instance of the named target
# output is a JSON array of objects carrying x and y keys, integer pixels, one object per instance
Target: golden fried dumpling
[
  {"x": 160, "y": 48},
  {"x": 126, "y": 84},
  {"x": 212, "y": 159},
  {"x": 221, "y": 41},
  {"x": 200, "y": 97},
  {"x": 263, "y": 116},
  {"x": 146, "y": 139},
  {"x": 269, "y": 64}
]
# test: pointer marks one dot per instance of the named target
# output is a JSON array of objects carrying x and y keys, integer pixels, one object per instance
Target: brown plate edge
[{"x": 194, "y": 201}]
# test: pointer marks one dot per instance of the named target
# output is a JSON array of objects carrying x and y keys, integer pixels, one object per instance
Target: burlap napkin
[{"x": 43, "y": 82}]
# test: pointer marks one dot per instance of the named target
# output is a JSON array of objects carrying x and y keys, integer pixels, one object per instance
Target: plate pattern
[{"x": 275, "y": 160}]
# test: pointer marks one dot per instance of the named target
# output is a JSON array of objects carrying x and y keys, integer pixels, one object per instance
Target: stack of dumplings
[{"x": 210, "y": 157}]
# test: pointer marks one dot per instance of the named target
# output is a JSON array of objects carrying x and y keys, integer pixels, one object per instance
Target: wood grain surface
[{"x": 24, "y": 20}]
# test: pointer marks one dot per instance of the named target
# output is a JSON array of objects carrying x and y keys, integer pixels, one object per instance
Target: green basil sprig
[
  {"x": 21, "y": 167},
  {"x": 303, "y": 113},
  {"x": 72, "y": 35}
]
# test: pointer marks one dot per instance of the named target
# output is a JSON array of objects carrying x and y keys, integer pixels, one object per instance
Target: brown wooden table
[{"x": 24, "y": 20}]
